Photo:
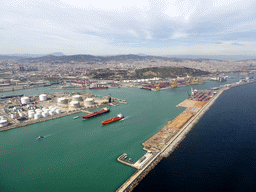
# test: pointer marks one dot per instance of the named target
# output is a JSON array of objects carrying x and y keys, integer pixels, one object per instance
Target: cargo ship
[
  {"x": 96, "y": 113},
  {"x": 97, "y": 86},
  {"x": 146, "y": 88},
  {"x": 113, "y": 119}
]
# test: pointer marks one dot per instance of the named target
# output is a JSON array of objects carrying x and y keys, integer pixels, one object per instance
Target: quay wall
[{"x": 134, "y": 180}]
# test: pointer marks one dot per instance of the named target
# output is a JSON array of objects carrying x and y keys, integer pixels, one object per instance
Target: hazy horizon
[{"x": 214, "y": 57}]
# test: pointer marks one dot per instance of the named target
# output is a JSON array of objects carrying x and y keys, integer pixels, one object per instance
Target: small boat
[
  {"x": 40, "y": 137},
  {"x": 112, "y": 120},
  {"x": 75, "y": 117}
]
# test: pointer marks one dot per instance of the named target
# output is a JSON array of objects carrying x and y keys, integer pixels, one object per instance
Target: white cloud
[
  {"x": 177, "y": 35},
  {"x": 133, "y": 33},
  {"x": 105, "y": 23},
  {"x": 148, "y": 34}
]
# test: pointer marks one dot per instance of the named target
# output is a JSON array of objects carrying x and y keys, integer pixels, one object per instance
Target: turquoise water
[{"x": 81, "y": 155}]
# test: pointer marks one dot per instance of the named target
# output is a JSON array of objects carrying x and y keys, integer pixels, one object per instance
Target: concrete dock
[{"x": 166, "y": 149}]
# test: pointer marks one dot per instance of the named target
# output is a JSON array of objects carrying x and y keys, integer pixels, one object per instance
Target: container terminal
[{"x": 21, "y": 110}]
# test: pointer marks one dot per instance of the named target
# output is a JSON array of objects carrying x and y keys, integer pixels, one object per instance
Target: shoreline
[
  {"x": 63, "y": 114},
  {"x": 134, "y": 180}
]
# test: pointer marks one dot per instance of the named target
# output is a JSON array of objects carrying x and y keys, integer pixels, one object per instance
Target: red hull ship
[
  {"x": 98, "y": 87},
  {"x": 96, "y": 113},
  {"x": 146, "y": 88},
  {"x": 112, "y": 120}
]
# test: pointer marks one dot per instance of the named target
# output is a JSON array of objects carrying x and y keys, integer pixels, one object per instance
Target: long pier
[{"x": 133, "y": 181}]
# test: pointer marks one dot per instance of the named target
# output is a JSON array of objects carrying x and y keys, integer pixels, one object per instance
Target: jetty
[{"x": 166, "y": 143}]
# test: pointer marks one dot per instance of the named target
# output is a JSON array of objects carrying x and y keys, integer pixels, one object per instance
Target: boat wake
[
  {"x": 48, "y": 135},
  {"x": 125, "y": 118}
]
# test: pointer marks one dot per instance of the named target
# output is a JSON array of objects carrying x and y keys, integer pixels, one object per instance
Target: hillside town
[{"x": 114, "y": 71}]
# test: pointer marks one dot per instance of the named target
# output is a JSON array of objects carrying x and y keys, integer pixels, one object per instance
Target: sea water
[
  {"x": 81, "y": 155},
  {"x": 218, "y": 154}
]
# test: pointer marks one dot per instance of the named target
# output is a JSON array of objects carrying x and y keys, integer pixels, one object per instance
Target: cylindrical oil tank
[
  {"x": 25, "y": 100},
  {"x": 63, "y": 101},
  {"x": 51, "y": 113},
  {"x": 39, "y": 112},
  {"x": 58, "y": 111},
  {"x": 37, "y": 116},
  {"x": 44, "y": 114},
  {"x": 53, "y": 109},
  {"x": 77, "y": 98},
  {"x": 89, "y": 101},
  {"x": 13, "y": 115},
  {"x": 31, "y": 114},
  {"x": 42, "y": 97},
  {"x": 3, "y": 122},
  {"x": 21, "y": 114},
  {"x": 44, "y": 109},
  {"x": 74, "y": 104},
  {"x": 29, "y": 105}
]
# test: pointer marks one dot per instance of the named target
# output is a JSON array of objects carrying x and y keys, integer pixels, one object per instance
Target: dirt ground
[
  {"x": 191, "y": 103},
  {"x": 157, "y": 141}
]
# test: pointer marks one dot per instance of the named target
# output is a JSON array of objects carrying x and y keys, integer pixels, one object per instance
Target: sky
[{"x": 154, "y": 27}]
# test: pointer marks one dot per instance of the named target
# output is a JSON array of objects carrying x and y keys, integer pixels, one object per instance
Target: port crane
[
  {"x": 174, "y": 84},
  {"x": 203, "y": 80},
  {"x": 158, "y": 86}
]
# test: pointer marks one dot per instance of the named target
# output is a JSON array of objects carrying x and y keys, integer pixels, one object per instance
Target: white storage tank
[
  {"x": 51, "y": 113},
  {"x": 63, "y": 101},
  {"x": 74, "y": 104},
  {"x": 3, "y": 122},
  {"x": 44, "y": 114},
  {"x": 31, "y": 114},
  {"x": 44, "y": 109},
  {"x": 13, "y": 115},
  {"x": 77, "y": 98},
  {"x": 58, "y": 111},
  {"x": 42, "y": 97},
  {"x": 39, "y": 112},
  {"x": 29, "y": 106},
  {"x": 53, "y": 109},
  {"x": 21, "y": 114},
  {"x": 89, "y": 101},
  {"x": 37, "y": 116},
  {"x": 24, "y": 114},
  {"x": 25, "y": 100}
]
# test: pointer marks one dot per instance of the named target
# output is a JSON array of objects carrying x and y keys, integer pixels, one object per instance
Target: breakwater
[{"x": 134, "y": 180}]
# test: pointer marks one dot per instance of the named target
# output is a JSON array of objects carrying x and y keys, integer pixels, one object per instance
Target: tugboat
[
  {"x": 40, "y": 137},
  {"x": 112, "y": 120}
]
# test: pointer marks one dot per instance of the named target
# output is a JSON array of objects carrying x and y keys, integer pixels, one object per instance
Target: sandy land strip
[{"x": 134, "y": 180}]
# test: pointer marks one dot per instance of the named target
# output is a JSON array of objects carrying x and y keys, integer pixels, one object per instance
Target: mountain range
[{"x": 61, "y": 57}]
